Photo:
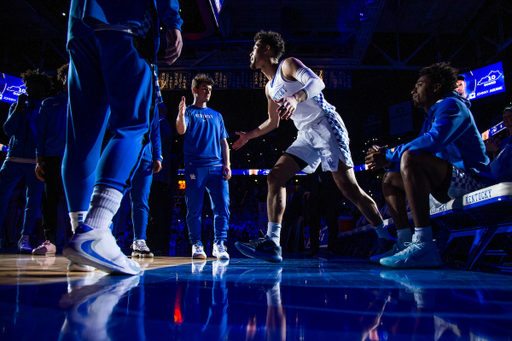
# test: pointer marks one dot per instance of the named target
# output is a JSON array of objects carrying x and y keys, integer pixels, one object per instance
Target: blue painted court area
[{"x": 338, "y": 299}]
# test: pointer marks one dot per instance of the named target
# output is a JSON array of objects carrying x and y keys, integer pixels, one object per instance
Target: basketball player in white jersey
[{"x": 295, "y": 92}]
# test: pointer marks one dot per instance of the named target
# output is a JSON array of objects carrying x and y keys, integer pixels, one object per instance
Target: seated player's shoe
[
  {"x": 219, "y": 268},
  {"x": 98, "y": 248},
  {"x": 77, "y": 267},
  {"x": 382, "y": 246},
  {"x": 197, "y": 267},
  {"x": 397, "y": 247},
  {"x": 45, "y": 249},
  {"x": 24, "y": 245},
  {"x": 140, "y": 249},
  {"x": 219, "y": 250},
  {"x": 417, "y": 254},
  {"x": 198, "y": 251},
  {"x": 262, "y": 248}
]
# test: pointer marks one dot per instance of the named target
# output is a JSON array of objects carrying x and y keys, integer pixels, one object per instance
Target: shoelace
[
  {"x": 221, "y": 247},
  {"x": 409, "y": 248},
  {"x": 142, "y": 245},
  {"x": 199, "y": 248}
]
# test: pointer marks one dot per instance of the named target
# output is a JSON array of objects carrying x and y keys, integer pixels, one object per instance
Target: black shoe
[
  {"x": 330, "y": 254},
  {"x": 262, "y": 248}
]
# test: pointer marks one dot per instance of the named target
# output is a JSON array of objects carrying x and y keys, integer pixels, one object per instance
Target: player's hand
[
  {"x": 376, "y": 158},
  {"x": 174, "y": 45},
  {"x": 40, "y": 171},
  {"x": 287, "y": 107},
  {"x": 157, "y": 166},
  {"x": 21, "y": 102},
  {"x": 490, "y": 146},
  {"x": 182, "y": 107},
  {"x": 242, "y": 140},
  {"x": 226, "y": 172}
]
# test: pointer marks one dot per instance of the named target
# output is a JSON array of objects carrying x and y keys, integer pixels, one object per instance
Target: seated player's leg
[
  {"x": 394, "y": 193},
  {"x": 422, "y": 174}
]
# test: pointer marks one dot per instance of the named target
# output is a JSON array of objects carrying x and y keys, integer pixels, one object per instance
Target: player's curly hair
[
  {"x": 443, "y": 74},
  {"x": 62, "y": 72},
  {"x": 272, "y": 39},
  {"x": 202, "y": 78},
  {"x": 39, "y": 78}
]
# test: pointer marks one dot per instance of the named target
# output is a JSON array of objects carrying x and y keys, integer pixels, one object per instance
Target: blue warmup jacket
[
  {"x": 22, "y": 128},
  {"x": 51, "y": 126},
  {"x": 450, "y": 133},
  {"x": 85, "y": 13}
]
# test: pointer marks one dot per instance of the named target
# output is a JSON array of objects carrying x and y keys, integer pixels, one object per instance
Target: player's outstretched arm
[
  {"x": 270, "y": 124},
  {"x": 181, "y": 125}
]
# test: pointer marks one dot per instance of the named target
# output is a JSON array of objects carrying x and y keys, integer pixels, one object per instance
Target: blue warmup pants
[
  {"x": 10, "y": 174},
  {"x": 139, "y": 197},
  {"x": 108, "y": 80},
  {"x": 196, "y": 180}
]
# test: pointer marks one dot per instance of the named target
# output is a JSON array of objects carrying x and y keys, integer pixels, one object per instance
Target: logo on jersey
[
  {"x": 205, "y": 116},
  {"x": 193, "y": 177},
  {"x": 279, "y": 93}
]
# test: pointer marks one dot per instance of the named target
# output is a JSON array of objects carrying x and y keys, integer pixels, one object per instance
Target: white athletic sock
[
  {"x": 105, "y": 202},
  {"x": 274, "y": 232},
  {"x": 423, "y": 234},
  {"x": 76, "y": 218},
  {"x": 382, "y": 232},
  {"x": 404, "y": 236}
]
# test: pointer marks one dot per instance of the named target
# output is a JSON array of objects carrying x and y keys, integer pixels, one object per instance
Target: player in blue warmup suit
[
  {"x": 21, "y": 125},
  {"x": 206, "y": 158},
  {"x": 446, "y": 161},
  {"x": 141, "y": 187},
  {"x": 51, "y": 139},
  {"x": 112, "y": 47}
]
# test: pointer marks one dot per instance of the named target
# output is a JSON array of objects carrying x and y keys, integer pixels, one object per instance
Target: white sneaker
[
  {"x": 140, "y": 249},
  {"x": 197, "y": 251},
  {"x": 220, "y": 250},
  {"x": 76, "y": 267},
  {"x": 98, "y": 248},
  {"x": 417, "y": 254}
]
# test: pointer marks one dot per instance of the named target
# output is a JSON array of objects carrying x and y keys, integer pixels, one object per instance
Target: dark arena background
[{"x": 369, "y": 54}]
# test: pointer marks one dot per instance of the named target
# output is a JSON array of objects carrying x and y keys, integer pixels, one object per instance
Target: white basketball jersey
[{"x": 306, "y": 111}]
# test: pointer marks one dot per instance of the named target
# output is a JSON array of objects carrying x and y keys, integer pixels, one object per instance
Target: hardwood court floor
[{"x": 245, "y": 299}]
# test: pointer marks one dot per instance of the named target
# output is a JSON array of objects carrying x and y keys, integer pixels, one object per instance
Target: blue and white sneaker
[
  {"x": 262, "y": 248},
  {"x": 418, "y": 254},
  {"x": 98, "y": 248}
]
